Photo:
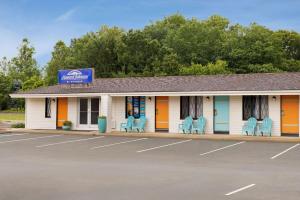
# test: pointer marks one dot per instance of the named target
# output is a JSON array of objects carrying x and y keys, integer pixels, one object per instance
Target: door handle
[
  {"x": 215, "y": 112},
  {"x": 282, "y": 113},
  {"x": 156, "y": 112}
]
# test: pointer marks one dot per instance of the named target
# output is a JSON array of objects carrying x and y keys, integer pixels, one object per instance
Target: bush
[
  {"x": 18, "y": 125},
  {"x": 67, "y": 123},
  {"x": 102, "y": 117}
]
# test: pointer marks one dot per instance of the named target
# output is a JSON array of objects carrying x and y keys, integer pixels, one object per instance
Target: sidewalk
[{"x": 162, "y": 135}]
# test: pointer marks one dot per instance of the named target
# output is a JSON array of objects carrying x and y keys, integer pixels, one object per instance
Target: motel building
[{"x": 225, "y": 101}]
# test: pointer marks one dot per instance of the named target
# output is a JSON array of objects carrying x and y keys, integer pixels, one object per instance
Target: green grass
[{"x": 12, "y": 116}]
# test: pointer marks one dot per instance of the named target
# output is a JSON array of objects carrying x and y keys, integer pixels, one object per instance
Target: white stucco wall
[
  {"x": 114, "y": 109},
  {"x": 275, "y": 114},
  {"x": 118, "y": 113},
  {"x": 174, "y": 114},
  {"x": 150, "y": 114},
  {"x": 35, "y": 114},
  {"x": 235, "y": 115},
  {"x": 208, "y": 114},
  {"x": 73, "y": 112}
]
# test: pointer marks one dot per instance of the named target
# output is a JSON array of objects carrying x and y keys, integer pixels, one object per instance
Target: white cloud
[{"x": 66, "y": 16}]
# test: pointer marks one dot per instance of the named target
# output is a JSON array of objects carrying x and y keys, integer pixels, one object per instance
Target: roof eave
[{"x": 192, "y": 93}]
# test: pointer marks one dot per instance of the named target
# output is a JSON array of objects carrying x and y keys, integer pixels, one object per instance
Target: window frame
[
  {"x": 47, "y": 107},
  {"x": 196, "y": 111},
  {"x": 126, "y": 106},
  {"x": 253, "y": 99}
]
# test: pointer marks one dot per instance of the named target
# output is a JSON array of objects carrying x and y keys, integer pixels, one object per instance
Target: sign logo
[{"x": 75, "y": 76}]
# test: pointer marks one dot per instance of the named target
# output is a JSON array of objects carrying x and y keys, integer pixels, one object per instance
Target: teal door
[{"x": 221, "y": 114}]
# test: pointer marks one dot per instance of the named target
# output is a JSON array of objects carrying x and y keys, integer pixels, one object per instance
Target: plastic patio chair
[
  {"x": 186, "y": 126},
  {"x": 140, "y": 125},
  {"x": 128, "y": 125},
  {"x": 199, "y": 126},
  {"x": 249, "y": 127},
  {"x": 265, "y": 127}
]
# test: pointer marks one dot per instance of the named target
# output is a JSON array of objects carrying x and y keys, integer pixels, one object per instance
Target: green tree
[
  {"x": 24, "y": 66},
  {"x": 4, "y": 65},
  {"x": 5, "y": 89},
  {"x": 32, "y": 83},
  {"x": 219, "y": 67},
  {"x": 59, "y": 60}
]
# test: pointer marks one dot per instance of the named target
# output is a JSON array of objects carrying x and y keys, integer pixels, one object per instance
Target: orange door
[
  {"x": 62, "y": 111},
  {"x": 290, "y": 114},
  {"x": 162, "y": 113}
]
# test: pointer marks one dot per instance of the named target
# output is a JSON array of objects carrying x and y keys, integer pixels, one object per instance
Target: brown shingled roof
[{"x": 233, "y": 82}]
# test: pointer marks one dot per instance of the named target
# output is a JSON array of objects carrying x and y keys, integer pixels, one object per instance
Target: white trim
[
  {"x": 89, "y": 125},
  {"x": 192, "y": 93}
]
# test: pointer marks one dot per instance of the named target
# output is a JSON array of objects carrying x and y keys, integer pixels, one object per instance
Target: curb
[{"x": 162, "y": 135}]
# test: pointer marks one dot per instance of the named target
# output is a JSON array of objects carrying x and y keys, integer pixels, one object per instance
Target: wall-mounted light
[
  {"x": 150, "y": 98},
  {"x": 274, "y": 98},
  {"x": 208, "y": 98},
  {"x": 53, "y": 100}
]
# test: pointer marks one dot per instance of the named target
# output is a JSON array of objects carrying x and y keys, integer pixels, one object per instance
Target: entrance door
[
  {"x": 162, "y": 113},
  {"x": 290, "y": 114},
  {"x": 62, "y": 111},
  {"x": 88, "y": 112},
  {"x": 221, "y": 114}
]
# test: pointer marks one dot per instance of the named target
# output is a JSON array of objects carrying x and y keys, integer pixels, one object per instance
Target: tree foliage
[
  {"x": 178, "y": 45},
  {"x": 19, "y": 73}
]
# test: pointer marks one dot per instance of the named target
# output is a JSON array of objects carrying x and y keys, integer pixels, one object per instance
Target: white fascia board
[
  {"x": 56, "y": 95},
  {"x": 202, "y": 93}
]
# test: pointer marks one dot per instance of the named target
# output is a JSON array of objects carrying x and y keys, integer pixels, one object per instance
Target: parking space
[{"x": 41, "y": 166}]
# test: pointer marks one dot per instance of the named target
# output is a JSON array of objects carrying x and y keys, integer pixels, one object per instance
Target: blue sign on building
[{"x": 75, "y": 76}]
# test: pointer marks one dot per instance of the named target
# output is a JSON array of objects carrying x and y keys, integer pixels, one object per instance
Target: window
[
  {"x": 192, "y": 106},
  {"x": 135, "y": 106},
  {"x": 83, "y": 111},
  {"x": 47, "y": 107},
  {"x": 89, "y": 111},
  {"x": 94, "y": 110},
  {"x": 255, "y": 106}
]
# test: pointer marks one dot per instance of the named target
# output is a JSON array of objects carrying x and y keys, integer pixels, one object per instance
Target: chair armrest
[{"x": 123, "y": 124}]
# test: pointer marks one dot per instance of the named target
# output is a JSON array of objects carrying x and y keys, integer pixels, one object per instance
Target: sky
[{"x": 44, "y": 22}]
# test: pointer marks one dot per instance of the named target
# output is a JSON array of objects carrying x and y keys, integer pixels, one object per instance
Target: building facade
[{"x": 225, "y": 101}]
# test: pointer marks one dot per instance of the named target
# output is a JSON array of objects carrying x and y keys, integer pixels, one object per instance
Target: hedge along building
[{"x": 226, "y": 101}]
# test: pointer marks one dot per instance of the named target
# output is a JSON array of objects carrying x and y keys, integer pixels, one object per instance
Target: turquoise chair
[
  {"x": 186, "y": 126},
  {"x": 265, "y": 127},
  {"x": 140, "y": 125},
  {"x": 250, "y": 126},
  {"x": 199, "y": 126},
  {"x": 128, "y": 125}
]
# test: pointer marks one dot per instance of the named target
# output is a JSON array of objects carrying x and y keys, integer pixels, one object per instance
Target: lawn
[{"x": 12, "y": 116}]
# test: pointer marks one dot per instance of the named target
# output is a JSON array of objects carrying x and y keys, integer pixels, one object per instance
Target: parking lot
[{"x": 41, "y": 166}]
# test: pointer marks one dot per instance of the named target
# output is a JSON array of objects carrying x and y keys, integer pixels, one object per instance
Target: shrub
[
  {"x": 67, "y": 123},
  {"x": 102, "y": 117},
  {"x": 18, "y": 125}
]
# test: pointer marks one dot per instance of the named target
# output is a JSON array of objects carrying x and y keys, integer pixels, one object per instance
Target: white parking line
[
  {"x": 69, "y": 141},
  {"x": 9, "y": 135},
  {"x": 202, "y": 154},
  {"x": 241, "y": 189},
  {"x": 113, "y": 144},
  {"x": 284, "y": 151},
  {"x": 166, "y": 145},
  {"x": 32, "y": 138}
]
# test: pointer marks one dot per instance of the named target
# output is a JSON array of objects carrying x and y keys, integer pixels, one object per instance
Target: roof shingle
[{"x": 233, "y": 82}]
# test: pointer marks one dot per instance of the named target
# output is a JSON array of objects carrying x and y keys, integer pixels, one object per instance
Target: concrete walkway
[{"x": 163, "y": 135}]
